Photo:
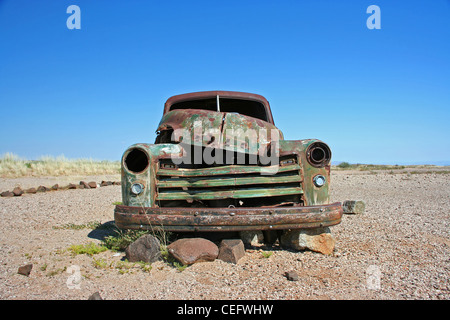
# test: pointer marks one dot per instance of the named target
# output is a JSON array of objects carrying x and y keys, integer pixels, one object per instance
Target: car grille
[{"x": 248, "y": 184}]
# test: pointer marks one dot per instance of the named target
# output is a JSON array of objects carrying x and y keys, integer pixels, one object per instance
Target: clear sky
[{"x": 374, "y": 95}]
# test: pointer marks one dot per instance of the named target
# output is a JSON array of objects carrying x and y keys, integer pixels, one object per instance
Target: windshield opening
[{"x": 250, "y": 108}]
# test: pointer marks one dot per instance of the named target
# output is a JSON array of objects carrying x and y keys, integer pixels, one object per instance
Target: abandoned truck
[{"x": 220, "y": 164}]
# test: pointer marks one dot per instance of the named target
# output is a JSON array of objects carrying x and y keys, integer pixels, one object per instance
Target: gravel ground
[{"x": 402, "y": 239}]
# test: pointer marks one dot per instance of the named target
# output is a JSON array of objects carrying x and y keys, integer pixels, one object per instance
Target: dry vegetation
[
  {"x": 12, "y": 166},
  {"x": 392, "y": 169}
]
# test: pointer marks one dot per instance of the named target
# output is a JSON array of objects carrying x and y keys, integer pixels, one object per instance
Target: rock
[
  {"x": 354, "y": 206},
  {"x": 146, "y": 249},
  {"x": 231, "y": 250},
  {"x": 72, "y": 186},
  {"x": 92, "y": 184},
  {"x": 31, "y": 190},
  {"x": 17, "y": 191},
  {"x": 84, "y": 184},
  {"x": 116, "y": 183},
  {"x": 55, "y": 187},
  {"x": 106, "y": 183},
  {"x": 314, "y": 239},
  {"x": 291, "y": 275},
  {"x": 95, "y": 296},
  {"x": 252, "y": 238},
  {"x": 192, "y": 250},
  {"x": 25, "y": 270},
  {"x": 7, "y": 194},
  {"x": 42, "y": 189}
]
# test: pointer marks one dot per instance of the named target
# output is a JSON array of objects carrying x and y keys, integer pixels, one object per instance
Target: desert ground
[{"x": 402, "y": 240}]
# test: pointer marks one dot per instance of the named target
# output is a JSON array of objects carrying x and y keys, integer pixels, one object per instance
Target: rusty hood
[{"x": 228, "y": 131}]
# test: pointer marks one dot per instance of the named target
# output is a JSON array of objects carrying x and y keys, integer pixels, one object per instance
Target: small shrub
[
  {"x": 55, "y": 272},
  {"x": 90, "y": 249},
  {"x": 100, "y": 264},
  {"x": 71, "y": 226},
  {"x": 170, "y": 260},
  {"x": 122, "y": 266},
  {"x": 180, "y": 267},
  {"x": 146, "y": 267},
  {"x": 344, "y": 165},
  {"x": 123, "y": 239}
]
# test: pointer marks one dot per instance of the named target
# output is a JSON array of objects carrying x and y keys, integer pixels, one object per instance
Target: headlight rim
[
  {"x": 317, "y": 177},
  {"x": 141, "y": 186},
  {"x": 125, "y": 158},
  {"x": 326, "y": 157}
]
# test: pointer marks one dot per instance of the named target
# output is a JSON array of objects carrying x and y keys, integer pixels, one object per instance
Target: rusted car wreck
[{"x": 220, "y": 164}]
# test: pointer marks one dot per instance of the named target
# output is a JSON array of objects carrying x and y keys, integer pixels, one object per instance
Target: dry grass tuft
[{"x": 12, "y": 166}]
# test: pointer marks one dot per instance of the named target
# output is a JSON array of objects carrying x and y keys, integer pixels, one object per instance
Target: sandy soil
[{"x": 402, "y": 240}]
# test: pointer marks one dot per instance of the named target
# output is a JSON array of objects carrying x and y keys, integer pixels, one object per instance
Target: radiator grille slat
[
  {"x": 224, "y": 194},
  {"x": 226, "y": 170},
  {"x": 223, "y": 182},
  {"x": 220, "y": 182}
]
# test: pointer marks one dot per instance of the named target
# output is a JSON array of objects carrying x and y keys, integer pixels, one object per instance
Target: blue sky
[{"x": 375, "y": 96}]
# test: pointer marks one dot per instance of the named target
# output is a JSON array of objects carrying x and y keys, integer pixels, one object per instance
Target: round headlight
[
  {"x": 319, "y": 180},
  {"x": 137, "y": 188},
  {"x": 318, "y": 154},
  {"x": 136, "y": 160}
]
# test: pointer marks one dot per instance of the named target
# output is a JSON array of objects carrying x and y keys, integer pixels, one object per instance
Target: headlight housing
[
  {"x": 136, "y": 160},
  {"x": 318, "y": 154}
]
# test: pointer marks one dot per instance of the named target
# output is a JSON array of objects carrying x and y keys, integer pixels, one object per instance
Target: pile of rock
[
  {"x": 17, "y": 192},
  {"x": 186, "y": 250},
  {"x": 191, "y": 250}
]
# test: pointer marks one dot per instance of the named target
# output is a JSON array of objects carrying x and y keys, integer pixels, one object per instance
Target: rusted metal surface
[
  {"x": 219, "y": 130},
  {"x": 186, "y": 196},
  {"x": 228, "y": 219}
]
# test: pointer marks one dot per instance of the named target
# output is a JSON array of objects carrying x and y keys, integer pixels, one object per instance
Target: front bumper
[{"x": 227, "y": 219}]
